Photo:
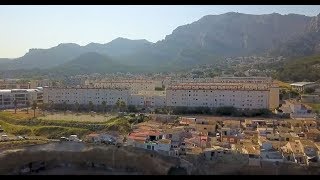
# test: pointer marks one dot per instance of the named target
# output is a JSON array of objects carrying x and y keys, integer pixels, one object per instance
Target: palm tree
[
  {"x": 118, "y": 104},
  {"x": 15, "y": 103},
  {"x": 76, "y": 106},
  {"x": 91, "y": 106},
  {"x": 104, "y": 105},
  {"x": 64, "y": 106},
  {"x": 34, "y": 107},
  {"x": 28, "y": 105},
  {"x": 122, "y": 105}
]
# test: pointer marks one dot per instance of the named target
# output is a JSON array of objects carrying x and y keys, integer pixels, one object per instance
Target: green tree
[
  {"x": 34, "y": 107},
  {"x": 228, "y": 110},
  {"x": 64, "y": 106},
  {"x": 104, "y": 106},
  {"x": 120, "y": 105},
  {"x": 293, "y": 93},
  {"x": 180, "y": 110},
  {"x": 91, "y": 106},
  {"x": 15, "y": 103},
  {"x": 309, "y": 90},
  {"x": 132, "y": 108},
  {"x": 159, "y": 88},
  {"x": 76, "y": 107}
]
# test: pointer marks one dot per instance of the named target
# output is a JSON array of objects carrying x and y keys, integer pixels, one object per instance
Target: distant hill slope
[
  {"x": 91, "y": 62},
  {"x": 4, "y": 60},
  {"x": 305, "y": 44},
  {"x": 119, "y": 47},
  {"x": 225, "y": 35},
  {"x": 304, "y": 69},
  {"x": 48, "y": 58}
]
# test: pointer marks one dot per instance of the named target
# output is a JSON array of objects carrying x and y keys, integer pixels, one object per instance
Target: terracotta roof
[
  {"x": 93, "y": 135},
  {"x": 137, "y": 138}
]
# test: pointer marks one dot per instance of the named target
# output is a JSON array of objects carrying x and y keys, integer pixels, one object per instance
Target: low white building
[
  {"x": 22, "y": 96},
  {"x": 308, "y": 98},
  {"x": 301, "y": 86}
]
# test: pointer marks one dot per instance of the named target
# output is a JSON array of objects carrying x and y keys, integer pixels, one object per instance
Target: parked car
[
  {"x": 20, "y": 138},
  {"x": 64, "y": 139},
  {"x": 4, "y": 137},
  {"x": 74, "y": 138}
]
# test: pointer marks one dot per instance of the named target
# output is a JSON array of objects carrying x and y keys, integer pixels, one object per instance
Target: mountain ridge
[{"x": 199, "y": 42}]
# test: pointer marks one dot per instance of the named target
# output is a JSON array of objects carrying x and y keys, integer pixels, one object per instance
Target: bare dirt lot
[{"x": 78, "y": 117}]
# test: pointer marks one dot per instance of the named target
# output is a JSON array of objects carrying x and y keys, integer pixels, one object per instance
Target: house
[
  {"x": 197, "y": 141},
  {"x": 253, "y": 152},
  {"x": 313, "y": 134},
  {"x": 162, "y": 145},
  {"x": 252, "y": 124},
  {"x": 175, "y": 134},
  {"x": 263, "y": 131},
  {"x": 139, "y": 137},
  {"x": 271, "y": 156},
  {"x": 230, "y": 139},
  {"x": 301, "y": 86},
  {"x": 310, "y": 148},
  {"x": 233, "y": 124},
  {"x": 216, "y": 152},
  {"x": 184, "y": 121},
  {"x": 293, "y": 151},
  {"x": 226, "y": 131},
  {"x": 310, "y": 123},
  {"x": 207, "y": 129},
  {"x": 297, "y": 110},
  {"x": 310, "y": 98}
]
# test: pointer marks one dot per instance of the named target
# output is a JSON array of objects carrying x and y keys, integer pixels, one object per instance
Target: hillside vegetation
[
  {"x": 302, "y": 69},
  {"x": 18, "y": 125}
]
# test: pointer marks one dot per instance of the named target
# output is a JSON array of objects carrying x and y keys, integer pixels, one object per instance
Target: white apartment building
[
  {"x": 238, "y": 95},
  {"x": 7, "y": 97},
  {"x": 85, "y": 95},
  {"x": 133, "y": 85},
  {"x": 242, "y": 93},
  {"x": 148, "y": 98},
  {"x": 13, "y": 84},
  {"x": 242, "y": 79},
  {"x": 98, "y": 95},
  {"x": 301, "y": 86}
]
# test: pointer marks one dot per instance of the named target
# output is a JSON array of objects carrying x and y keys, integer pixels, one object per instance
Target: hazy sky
[{"x": 25, "y": 27}]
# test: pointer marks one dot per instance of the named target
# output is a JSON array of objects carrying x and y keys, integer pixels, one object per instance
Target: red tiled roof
[
  {"x": 93, "y": 135},
  {"x": 145, "y": 133},
  {"x": 137, "y": 138}
]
